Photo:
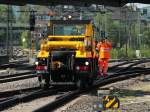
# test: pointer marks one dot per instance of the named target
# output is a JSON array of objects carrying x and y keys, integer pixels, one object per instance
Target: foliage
[
  {"x": 114, "y": 29},
  {"x": 3, "y": 10},
  {"x": 4, "y": 20},
  {"x": 24, "y": 14},
  {"x": 24, "y": 39},
  {"x": 134, "y": 34},
  {"x": 115, "y": 34},
  {"x": 146, "y": 37}
]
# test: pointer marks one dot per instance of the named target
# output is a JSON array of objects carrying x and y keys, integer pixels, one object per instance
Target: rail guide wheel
[
  {"x": 82, "y": 83},
  {"x": 79, "y": 84}
]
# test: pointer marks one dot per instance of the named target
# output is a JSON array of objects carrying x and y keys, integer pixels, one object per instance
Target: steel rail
[
  {"x": 12, "y": 101},
  {"x": 5, "y": 80},
  {"x": 16, "y": 92},
  {"x": 131, "y": 65},
  {"x": 120, "y": 64},
  {"x": 23, "y": 98},
  {"x": 118, "y": 60},
  {"x": 16, "y": 74},
  {"x": 12, "y": 64},
  {"x": 118, "y": 69}
]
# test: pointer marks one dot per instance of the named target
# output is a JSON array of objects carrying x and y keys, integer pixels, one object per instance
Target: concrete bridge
[{"x": 73, "y": 2}]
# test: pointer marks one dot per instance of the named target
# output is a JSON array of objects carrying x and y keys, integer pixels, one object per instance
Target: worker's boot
[
  {"x": 99, "y": 75},
  {"x": 104, "y": 75},
  {"x": 105, "y": 68}
]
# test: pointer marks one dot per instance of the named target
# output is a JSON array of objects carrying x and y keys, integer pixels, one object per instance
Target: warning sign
[{"x": 110, "y": 102}]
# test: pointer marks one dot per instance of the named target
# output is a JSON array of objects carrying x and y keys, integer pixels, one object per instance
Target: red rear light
[
  {"x": 41, "y": 67},
  {"x": 82, "y": 68}
]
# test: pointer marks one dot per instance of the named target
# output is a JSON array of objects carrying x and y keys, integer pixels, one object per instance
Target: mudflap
[{"x": 90, "y": 81}]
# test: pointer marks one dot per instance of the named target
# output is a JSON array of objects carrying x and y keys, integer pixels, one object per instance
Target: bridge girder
[{"x": 73, "y": 2}]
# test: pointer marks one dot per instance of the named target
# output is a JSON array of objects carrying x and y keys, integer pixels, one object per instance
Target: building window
[{"x": 144, "y": 11}]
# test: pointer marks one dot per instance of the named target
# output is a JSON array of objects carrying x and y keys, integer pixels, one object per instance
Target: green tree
[
  {"x": 24, "y": 14},
  {"x": 3, "y": 11},
  {"x": 24, "y": 39},
  {"x": 4, "y": 20},
  {"x": 146, "y": 38}
]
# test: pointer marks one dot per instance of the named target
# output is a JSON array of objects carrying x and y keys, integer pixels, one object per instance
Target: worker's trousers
[{"x": 103, "y": 66}]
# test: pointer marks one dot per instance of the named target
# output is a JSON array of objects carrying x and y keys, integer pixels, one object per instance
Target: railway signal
[{"x": 32, "y": 21}]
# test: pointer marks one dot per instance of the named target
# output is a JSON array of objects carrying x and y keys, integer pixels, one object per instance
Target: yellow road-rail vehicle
[{"x": 68, "y": 54}]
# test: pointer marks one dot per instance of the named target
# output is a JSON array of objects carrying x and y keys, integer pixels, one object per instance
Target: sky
[{"x": 142, "y": 5}]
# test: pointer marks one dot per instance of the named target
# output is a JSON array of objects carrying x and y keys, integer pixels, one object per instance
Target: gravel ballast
[{"x": 134, "y": 96}]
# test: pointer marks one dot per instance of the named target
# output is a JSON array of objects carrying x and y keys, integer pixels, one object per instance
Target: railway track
[
  {"x": 131, "y": 65},
  {"x": 23, "y": 66},
  {"x": 120, "y": 64},
  {"x": 10, "y": 93},
  {"x": 18, "y": 65},
  {"x": 16, "y": 74},
  {"x": 13, "y": 64},
  {"x": 18, "y": 77},
  {"x": 117, "y": 68},
  {"x": 74, "y": 94},
  {"x": 22, "y": 98},
  {"x": 68, "y": 96},
  {"x": 31, "y": 74},
  {"x": 120, "y": 60}
]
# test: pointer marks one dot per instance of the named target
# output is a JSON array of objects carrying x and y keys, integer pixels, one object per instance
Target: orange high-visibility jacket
[{"x": 104, "y": 49}]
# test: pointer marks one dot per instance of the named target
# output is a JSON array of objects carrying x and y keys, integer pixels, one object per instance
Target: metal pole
[
  {"x": 7, "y": 39},
  {"x": 119, "y": 30},
  {"x": 139, "y": 16},
  {"x": 105, "y": 21},
  {"x": 81, "y": 14},
  {"x": 126, "y": 33},
  {"x": 11, "y": 33},
  {"x": 9, "y": 42}
]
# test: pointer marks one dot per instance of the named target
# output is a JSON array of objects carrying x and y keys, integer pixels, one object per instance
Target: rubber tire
[{"x": 71, "y": 63}]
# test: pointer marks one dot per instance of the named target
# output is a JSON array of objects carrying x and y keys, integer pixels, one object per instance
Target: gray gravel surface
[
  {"x": 134, "y": 96},
  {"x": 21, "y": 84},
  {"x": 11, "y": 71}
]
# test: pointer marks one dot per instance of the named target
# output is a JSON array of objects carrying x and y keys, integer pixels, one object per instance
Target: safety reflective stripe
[{"x": 104, "y": 49}]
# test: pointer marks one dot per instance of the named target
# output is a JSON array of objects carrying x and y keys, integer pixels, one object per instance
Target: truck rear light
[
  {"x": 78, "y": 68},
  {"x": 41, "y": 67},
  {"x": 82, "y": 68}
]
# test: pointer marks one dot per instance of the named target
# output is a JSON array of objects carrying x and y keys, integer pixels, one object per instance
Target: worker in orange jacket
[{"x": 104, "y": 47}]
